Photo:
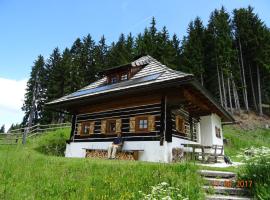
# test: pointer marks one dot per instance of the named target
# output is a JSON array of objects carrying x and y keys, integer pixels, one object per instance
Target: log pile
[{"x": 103, "y": 154}]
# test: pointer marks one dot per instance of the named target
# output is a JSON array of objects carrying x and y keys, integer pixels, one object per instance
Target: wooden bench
[
  {"x": 214, "y": 152},
  {"x": 218, "y": 152}
]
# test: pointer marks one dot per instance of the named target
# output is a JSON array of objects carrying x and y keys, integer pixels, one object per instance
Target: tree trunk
[
  {"x": 224, "y": 90},
  {"x": 259, "y": 91},
  {"x": 229, "y": 93},
  {"x": 219, "y": 86},
  {"x": 202, "y": 79},
  {"x": 243, "y": 77},
  {"x": 252, "y": 88},
  {"x": 235, "y": 94}
]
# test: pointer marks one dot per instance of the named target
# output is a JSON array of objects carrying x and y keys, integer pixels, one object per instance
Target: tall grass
[
  {"x": 257, "y": 170},
  {"x": 35, "y": 171},
  {"x": 239, "y": 139}
]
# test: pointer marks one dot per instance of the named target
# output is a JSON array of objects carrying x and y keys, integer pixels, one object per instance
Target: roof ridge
[
  {"x": 167, "y": 68},
  {"x": 142, "y": 61}
]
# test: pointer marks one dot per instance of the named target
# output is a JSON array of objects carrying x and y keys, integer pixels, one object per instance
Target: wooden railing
[{"x": 16, "y": 135}]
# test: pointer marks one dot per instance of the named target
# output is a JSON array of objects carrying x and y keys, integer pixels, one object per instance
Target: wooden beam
[{"x": 195, "y": 100}]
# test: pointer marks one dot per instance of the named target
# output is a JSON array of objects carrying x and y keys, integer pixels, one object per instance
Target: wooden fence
[{"x": 21, "y": 134}]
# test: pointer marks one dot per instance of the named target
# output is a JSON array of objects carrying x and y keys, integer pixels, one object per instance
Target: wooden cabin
[{"x": 154, "y": 108}]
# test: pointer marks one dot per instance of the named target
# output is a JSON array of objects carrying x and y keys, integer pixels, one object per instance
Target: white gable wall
[
  {"x": 208, "y": 132},
  {"x": 216, "y": 122}
]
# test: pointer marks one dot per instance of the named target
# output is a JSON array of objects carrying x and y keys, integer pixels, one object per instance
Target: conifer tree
[
  {"x": 89, "y": 70},
  {"x": 35, "y": 95},
  {"x": 253, "y": 44},
  {"x": 54, "y": 85},
  {"x": 100, "y": 54},
  {"x": 192, "y": 57},
  {"x": 2, "y": 129}
]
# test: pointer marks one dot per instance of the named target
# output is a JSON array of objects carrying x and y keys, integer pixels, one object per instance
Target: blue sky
[{"x": 32, "y": 27}]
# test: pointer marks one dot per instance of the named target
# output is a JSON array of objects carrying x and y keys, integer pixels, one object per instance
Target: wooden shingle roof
[{"x": 152, "y": 72}]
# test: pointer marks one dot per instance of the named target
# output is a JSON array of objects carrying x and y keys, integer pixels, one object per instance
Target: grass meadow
[
  {"x": 38, "y": 171},
  {"x": 239, "y": 139}
]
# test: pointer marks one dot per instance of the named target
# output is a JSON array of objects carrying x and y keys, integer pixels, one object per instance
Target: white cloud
[{"x": 11, "y": 100}]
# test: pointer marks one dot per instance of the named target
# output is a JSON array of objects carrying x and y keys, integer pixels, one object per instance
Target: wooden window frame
[
  {"x": 123, "y": 74},
  {"x": 218, "y": 132},
  {"x": 137, "y": 124},
  {"x": 83, "y": 125},
  {"x": 183, "y": 125},
  {"x": 108, "y": 131}
]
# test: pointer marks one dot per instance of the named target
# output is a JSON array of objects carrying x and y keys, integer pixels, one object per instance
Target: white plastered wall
[
  {"x": 208, "y": 132},
  {"x": 152, "y": 151}
]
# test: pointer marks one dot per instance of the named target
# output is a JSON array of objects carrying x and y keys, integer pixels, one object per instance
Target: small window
[
  {"x": 142, "y": 123},
  {"x": 85, "y": 128},
  {"x": 111, "y": 126},
  {"x": 114, "y": 79},
  {"x": 124, "y": 77},
  {"x": 218, "y": 135}
]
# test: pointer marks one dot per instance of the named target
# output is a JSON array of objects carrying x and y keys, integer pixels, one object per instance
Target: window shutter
[
  {"x": 132, "y": 123},
  {"x": 179, "y": 124},
  {"x": 182, "y": 124},
  {"x": 79, "y": 128},
  {"x": 118, "y": 126},
  {"x": 151, "y": 123},
  {"x": 103, "y": 127},
  {"x": 92, "y": 128}
]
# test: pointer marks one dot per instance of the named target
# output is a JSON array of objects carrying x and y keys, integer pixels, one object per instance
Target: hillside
[
  {"x": 39, "y": 170},
  {"x": 251, "y": 130},
  {"x": 36, "y": 171}
]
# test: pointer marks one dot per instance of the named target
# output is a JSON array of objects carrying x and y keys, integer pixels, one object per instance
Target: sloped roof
[{"x": 152, "y": 72}]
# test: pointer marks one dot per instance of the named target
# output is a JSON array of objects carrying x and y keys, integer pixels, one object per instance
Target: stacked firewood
[
  {"x": 177, "y": 154},
  {"x": 104, "y": 154}
]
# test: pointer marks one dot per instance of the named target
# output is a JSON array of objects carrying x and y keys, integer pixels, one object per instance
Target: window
[
  {"x": 85, "y": 128},
  {"x": 114, "y": 79},
  {"x": 218, "y": 135},
  {"x": 124, "y": 77},
  {"x": 142, "y": 123},
  {"x": 180, "y": 124},
  {"x": 111, "y": 126}
]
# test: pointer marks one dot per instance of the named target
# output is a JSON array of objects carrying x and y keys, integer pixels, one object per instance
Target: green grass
[
  {"x": 39, "y": 170},
  {"x": 239, "y": 139},
  {"x": 36, "y": 171}
]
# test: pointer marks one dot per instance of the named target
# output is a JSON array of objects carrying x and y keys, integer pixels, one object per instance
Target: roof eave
[
  {"x": 165, "y": 83},
  {"x": 212, "y": 99}
]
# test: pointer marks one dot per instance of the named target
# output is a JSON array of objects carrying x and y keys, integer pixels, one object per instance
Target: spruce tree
[
  {"x": 192, "y": 55},
  {"x": 2, "y": 129},
  {"x": 55, "y": 82},
  {"x": 88, "y": 68},
  {"x": 35, "y": 95},
  {"x": 100, "y": 54},
  {"x": 253, "y": 43}
]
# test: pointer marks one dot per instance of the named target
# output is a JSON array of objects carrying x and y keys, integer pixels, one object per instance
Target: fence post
[{"x": 25, "y": 132}]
